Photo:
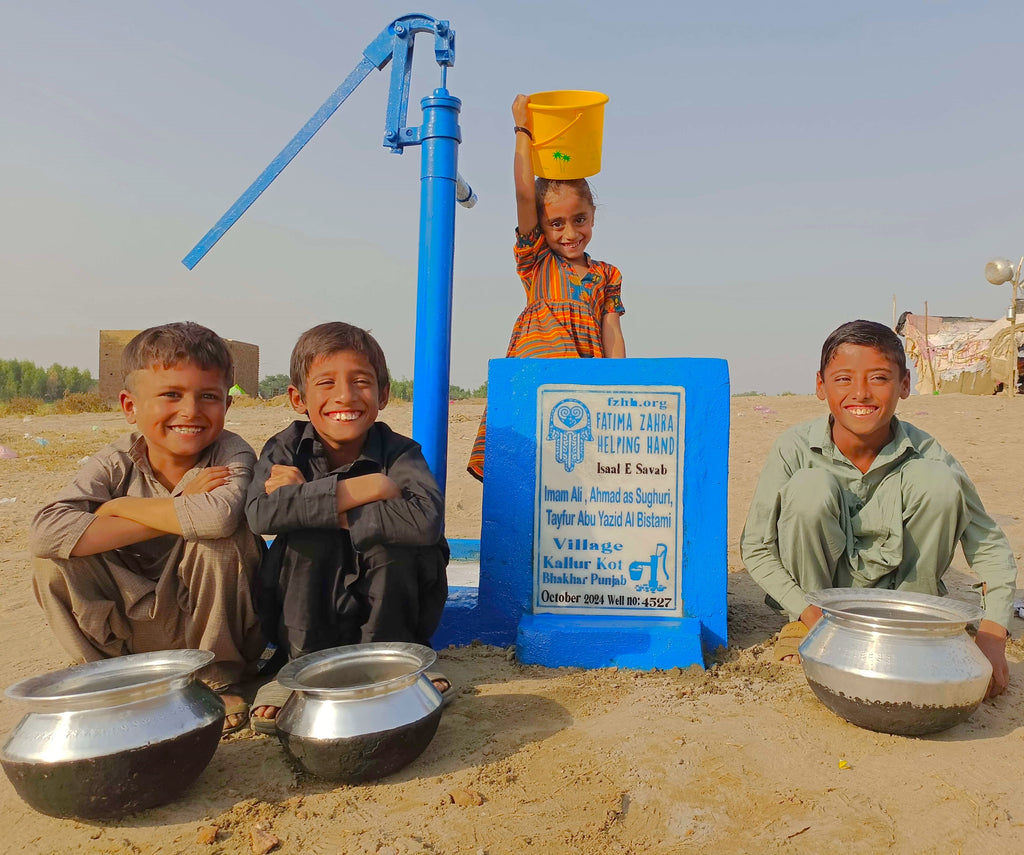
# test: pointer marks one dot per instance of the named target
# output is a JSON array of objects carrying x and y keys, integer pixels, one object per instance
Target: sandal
[
  {"x": 239, "y": 708},
  {"x": 447, "y": 694},
  {"x": 271, "y": 694},
  {"x": 790, "y": 637}
]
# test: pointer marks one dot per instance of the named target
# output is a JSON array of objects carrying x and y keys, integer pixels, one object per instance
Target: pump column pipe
[{"x": 440, "y": 137}]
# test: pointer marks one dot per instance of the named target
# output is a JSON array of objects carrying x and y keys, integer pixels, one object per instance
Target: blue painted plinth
[
  {"x": 601, "y": 642},
  {"x": 501, "y": 612}
]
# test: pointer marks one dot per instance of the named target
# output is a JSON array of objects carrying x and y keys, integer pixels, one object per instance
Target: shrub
[
  {"x": 81, "y": 402},
  {"x": 22, "y": 406}
]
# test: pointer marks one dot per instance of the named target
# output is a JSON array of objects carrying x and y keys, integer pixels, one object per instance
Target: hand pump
[{"x": 440, "y": 187}]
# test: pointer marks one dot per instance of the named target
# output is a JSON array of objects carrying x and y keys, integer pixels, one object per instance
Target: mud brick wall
[{"x": 113, "y": 343}]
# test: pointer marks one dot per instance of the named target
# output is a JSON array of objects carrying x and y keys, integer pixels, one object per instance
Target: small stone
[
  {"x": 207, "y": 834},
  {"x": 263, "y": 842},
  {"x": 466, "y": 798}
]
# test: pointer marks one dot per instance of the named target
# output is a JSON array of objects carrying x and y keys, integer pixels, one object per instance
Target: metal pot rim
[
  {"x": 88, "y": 686},
  {"x": 924, "y": 611},
  {"x": 295, "y": 675}
]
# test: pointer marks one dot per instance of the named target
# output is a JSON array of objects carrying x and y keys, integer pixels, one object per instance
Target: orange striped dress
[{"x": 563, "y": 313}]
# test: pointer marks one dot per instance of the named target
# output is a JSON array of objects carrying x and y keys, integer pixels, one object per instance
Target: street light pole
[{"x": 999, "y": 271}]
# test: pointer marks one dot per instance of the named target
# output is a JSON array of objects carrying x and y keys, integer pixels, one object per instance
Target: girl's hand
[{"x": 520, "y": 115}]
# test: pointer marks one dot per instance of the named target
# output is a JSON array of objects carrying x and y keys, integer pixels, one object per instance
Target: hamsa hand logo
[{"x": 569, "y": 427}]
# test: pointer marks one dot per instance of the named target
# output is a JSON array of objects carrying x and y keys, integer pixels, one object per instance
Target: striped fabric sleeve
[
  {"x": 529, "y": 252},
  {"x": 612, "y": 293}
]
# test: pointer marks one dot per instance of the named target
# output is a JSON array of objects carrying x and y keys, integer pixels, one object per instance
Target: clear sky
[{"x": 770, "y": 170}]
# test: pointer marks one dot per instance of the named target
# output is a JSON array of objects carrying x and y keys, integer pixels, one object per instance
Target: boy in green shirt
[{"x": 861, "y": 499}]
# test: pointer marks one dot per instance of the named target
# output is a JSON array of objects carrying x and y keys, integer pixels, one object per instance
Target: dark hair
[
  {"x": 332, "y": 337},
  {"x": 544, "y": 187},
  {"x": 169, "y": 345},
  {"x": 866, "y": 334}
]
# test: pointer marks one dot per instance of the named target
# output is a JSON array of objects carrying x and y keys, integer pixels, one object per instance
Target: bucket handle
[{"x": 556, "y": 135}]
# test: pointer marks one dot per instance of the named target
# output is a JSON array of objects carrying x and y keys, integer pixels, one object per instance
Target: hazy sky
[{"x": 771, "y": 169}]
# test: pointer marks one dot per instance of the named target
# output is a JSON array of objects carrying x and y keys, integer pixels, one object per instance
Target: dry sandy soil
[{"x": 740, "y": 758}]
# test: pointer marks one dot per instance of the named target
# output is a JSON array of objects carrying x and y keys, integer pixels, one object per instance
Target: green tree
[
  {"x": 401, "y": 390},
  {"x": 274, "y": 385},
  {"x": 20, "y": 378}
]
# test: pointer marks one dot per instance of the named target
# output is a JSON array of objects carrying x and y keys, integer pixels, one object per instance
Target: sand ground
[{"x": 739, "y": 758}]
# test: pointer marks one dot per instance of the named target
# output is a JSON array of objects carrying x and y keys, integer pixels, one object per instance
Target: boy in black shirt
[{"x": 359, "y": 553}]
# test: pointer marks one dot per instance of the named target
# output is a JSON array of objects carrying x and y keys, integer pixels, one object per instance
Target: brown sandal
[{"x": 788, "y": 644}]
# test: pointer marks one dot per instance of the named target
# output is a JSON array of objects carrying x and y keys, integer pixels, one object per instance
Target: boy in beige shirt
[{"x": 146, "y": 549}]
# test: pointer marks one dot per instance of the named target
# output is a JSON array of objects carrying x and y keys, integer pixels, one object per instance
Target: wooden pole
[
  {"x": 1013, "y": 329},
  {"x": 928, "y": 350}
]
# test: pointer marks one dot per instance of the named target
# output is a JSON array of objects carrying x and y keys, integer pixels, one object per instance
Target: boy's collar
[
  {"x": 138, "y": 452},
  {"x": 898, "y": 444},
  {"x": 372, "y": 449}
]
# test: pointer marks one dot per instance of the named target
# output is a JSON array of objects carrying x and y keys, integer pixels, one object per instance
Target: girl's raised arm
[{"x": 522, "y": 168}]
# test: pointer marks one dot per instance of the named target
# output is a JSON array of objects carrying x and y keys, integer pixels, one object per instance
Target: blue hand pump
[{"x": 440, "y": 187}]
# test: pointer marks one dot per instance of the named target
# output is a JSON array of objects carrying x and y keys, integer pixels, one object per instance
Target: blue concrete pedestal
[
  {"x": 584, "y": 641},
  {"x": 502, "y": 610}
]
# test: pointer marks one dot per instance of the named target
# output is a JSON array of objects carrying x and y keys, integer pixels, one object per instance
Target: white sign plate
[{"x": 609, "y": 509}]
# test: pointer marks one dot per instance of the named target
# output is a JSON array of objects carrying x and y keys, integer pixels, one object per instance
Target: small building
[{"x": 113, "y": 342}]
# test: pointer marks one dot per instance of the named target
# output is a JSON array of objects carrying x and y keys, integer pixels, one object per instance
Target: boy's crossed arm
[
  {"x": 126, "y": 520},
  {"x": 350, "y": 493},
  {"x": 403, "y": 506}
]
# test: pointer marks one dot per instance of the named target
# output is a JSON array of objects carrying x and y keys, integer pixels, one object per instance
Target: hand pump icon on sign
[{"x": 657, "y": 562}]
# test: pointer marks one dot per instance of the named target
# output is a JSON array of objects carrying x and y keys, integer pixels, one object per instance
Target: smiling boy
[
  {"x": 146, "y": 549},
  {"x": 859, "y": 498},
  {"x": 359, "y": 553}
]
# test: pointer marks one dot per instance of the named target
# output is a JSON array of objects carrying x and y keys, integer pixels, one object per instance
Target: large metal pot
[
  {"x": 359, "y": 712},
  {"x": 894, "y": 661},
  {"x": 111, "y": 737}
]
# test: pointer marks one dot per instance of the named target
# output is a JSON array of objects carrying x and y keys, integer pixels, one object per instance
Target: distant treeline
[
  {"x": 401, "y": 390},
  {"x": 20, "y": 378}
]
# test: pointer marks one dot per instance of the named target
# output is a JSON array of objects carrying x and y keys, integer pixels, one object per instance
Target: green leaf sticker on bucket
[{"x": 567, "y": 129}]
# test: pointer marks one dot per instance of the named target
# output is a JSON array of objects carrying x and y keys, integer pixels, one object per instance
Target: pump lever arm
[
  {"x": 316, "y": 121},
  {"x": 399, "y": 33}
]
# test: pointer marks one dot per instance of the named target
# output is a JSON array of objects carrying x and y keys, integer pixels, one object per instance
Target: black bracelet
[{"x": 521, "y": 129}]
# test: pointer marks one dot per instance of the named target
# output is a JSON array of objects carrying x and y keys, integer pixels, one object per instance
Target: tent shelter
[{"x": 957, "y": 354}]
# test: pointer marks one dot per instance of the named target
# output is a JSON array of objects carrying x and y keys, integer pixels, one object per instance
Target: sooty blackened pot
[
  {"x": 112, "y": 737},
  {"x": 893, "y": 661},
  {"x": 359, "y": 712}
]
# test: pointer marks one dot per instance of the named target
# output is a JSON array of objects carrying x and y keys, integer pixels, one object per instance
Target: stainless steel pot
[
  {"x": 893, "y": 661},
  {"x": 359, "y": 712},
  {"x": 112, "y": 737}
]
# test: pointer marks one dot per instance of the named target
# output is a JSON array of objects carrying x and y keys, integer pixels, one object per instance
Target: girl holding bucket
[{"x": 573, "y": 303}]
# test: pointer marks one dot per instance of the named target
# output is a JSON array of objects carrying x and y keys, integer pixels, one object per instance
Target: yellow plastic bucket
[{"x": 567, "y": 129}]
